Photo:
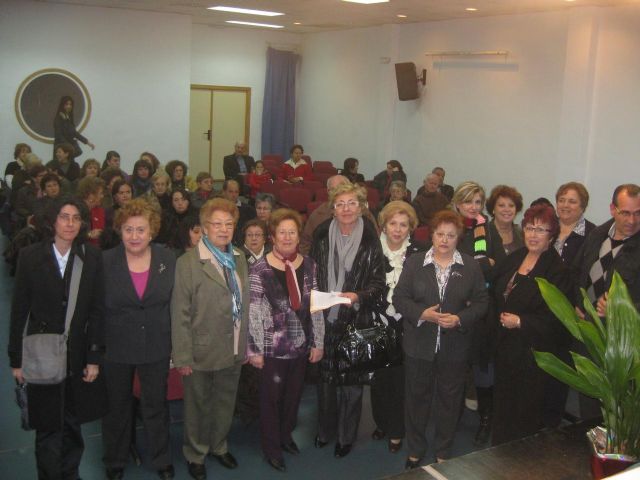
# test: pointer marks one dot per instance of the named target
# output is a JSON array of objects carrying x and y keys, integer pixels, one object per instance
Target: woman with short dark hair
[
  {"x": 42, "y": 295},
  {"x": 64, "y": 163},
  {"x": 382, "y": 181},
  {"x": 503, "y": 204}
]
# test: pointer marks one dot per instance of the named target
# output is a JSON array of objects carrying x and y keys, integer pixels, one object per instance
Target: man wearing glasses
[{"x": 614, "y": 245}]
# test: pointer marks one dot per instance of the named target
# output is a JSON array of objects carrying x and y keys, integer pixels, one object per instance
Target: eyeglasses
[
  {"x": 626, "y": 214},
  {"x": 448, "y": 236},
  {"x": 65, "y": 217},
  {"x": 536, "y": 230},
  {"x": 254, "y": 235},
  {"x": 221, "y": 225},
  {"x": 343, "y": 205}
]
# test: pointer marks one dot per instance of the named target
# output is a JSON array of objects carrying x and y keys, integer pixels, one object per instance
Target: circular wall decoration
[{"x": 38, "y": 97}]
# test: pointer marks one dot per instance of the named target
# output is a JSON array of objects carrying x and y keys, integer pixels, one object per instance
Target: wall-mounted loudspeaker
[{"x": 407, "y": 79}]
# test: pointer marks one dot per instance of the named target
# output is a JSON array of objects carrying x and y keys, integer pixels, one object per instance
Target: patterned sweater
[{"x": 275, "y": 329}]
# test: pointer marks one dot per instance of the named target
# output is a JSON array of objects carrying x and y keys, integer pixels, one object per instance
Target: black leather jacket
[{"x": 366, "y": 279}]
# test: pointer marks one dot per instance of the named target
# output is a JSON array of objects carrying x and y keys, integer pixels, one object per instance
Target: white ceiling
[{"x": 324, "y": 15}]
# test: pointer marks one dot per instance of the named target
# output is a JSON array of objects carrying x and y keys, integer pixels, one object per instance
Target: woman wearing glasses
[
  {"x": 441, "y": 296},
  {"x": 209, "y": 318},
  {"x": 349, "y": 258},
  {"x": 524, "y": 323}
]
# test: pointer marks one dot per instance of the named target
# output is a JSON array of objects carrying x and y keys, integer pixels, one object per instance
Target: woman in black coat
[
  {"x": 139, "y": 279},
  {"x": 382, "y": 181},
  {"x": 40, "y": 297},
  {"x": 64, "y": 127},
  {"x": 523, "y": 392},
  {"x": 179, "y": 211},
  {"x": 398, "y": 220},
  {"x": 351, "y": 244}
]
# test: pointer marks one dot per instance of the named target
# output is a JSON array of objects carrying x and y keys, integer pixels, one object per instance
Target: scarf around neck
[
  {"x": 290, "y": 272},
  {"x": 396, "y": 260},
  {"x": 228, "y": 263},
  {"x": 342, "y": 253}
]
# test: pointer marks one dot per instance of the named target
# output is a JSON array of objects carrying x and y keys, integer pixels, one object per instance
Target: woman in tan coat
[{"x": 209, "y": 314}]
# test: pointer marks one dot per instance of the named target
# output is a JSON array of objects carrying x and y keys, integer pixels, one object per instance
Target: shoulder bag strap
[{"x": 74, "y": 286}]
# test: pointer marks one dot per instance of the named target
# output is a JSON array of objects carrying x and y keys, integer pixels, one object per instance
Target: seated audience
[
  {"x": 204, "y": 192},
  {"x": 256, "y": 240},
  {"x": 29, "y": 193},
  {"x": 238, "y": 166},
  {"x": 441, "y": 296},
  {"x": 429, "y": 200},
  {"x": 265, "y": 204},
  {"x": 283, "y": 334},
  {"x": 111, "y": 160},
  {"x": 446, "y": 190},
  {"x": 350, "y": 170},
  {"x": 177, "y": 213},
  {"x": 90, "y": 168},
  {"x": 177, "y": 170},
  {"x": 382, "y": 181},
  {"x": 138, "y": 281},
  {"x": 19, "y": 153},
  {"x": 296, "y": 169},
  {"x": 258, "y": 177},
  {"x": 141, "y": 178},
  {"x": 524, "y": 322},
  {"x": 209, "y": 319},
  {"x": 152, "y": 159},
  {"x": 110, "y": 176},
  {"x": 64, "y": 164},
  {"x": 231, "y": 191},
  {"x": 503, "y": 205},
  {"x": 91, "y": 190},
  {"x": 161, "y": 190}
]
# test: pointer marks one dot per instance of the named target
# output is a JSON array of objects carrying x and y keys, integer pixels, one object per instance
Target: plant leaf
[
  {"x": 588, "y": 307},
  {"x": 560, "y": 306},
  {"x": 563, "y": 372},
  {"x": 592, "y": 340}
]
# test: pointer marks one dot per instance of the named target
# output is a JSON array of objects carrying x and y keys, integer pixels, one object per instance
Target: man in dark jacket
[{"x": 238, "y": 165}]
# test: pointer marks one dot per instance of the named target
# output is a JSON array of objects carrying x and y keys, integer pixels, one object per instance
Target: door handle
[{"x": 208, "y": 134}]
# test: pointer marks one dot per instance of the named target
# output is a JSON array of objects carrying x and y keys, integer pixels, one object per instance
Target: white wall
[
  {"x": 561, "y": 107},
  {"x": 136, "y": 66},
  {"x": 237, "y": 57}
]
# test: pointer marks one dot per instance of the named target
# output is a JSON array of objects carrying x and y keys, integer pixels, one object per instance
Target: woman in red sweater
[
  {"x": 296, "y": 169},
  {"x": 258, "y": 177}
]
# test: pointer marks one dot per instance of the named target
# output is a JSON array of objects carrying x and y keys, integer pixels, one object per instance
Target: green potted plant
[{"x": 611, "y": 373}]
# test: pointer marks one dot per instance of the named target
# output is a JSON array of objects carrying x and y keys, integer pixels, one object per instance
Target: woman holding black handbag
[
  {"x": 398, "y": 220},
  {"x": 42, "y": 294},
  {"x": 350, "y": 260}
]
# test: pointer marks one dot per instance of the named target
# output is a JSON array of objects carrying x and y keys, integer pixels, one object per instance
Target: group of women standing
[{"x": 208, "y": 311}]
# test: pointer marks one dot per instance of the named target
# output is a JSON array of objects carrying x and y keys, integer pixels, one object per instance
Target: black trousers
[
  {"x": 58, "y": 453},
  {"x": 440, "y": 383},
  {"x": 281, "y": 385},
  {"x": 339, "y": 410},
  {"x": 117, "y": 424},
  {"x": 387, "y": 400}
]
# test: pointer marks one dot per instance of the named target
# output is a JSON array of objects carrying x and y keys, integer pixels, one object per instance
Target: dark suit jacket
[
  {"x": 138, "y": 330},
  {"x": 40, "y": 294},
  {"x": 230, "y": 166},
  {"x": 465, "y": 296},
  {"x": 626, "y": 263}
]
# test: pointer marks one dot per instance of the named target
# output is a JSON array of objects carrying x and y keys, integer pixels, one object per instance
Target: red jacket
[{"x": 302, "y": 169}]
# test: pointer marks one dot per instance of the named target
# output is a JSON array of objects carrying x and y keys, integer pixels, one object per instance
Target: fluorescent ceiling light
[
  {"x": 247, "y": 11},
  {"x": 253, "y": 24},
  {"x": 366, "y": 1},
  {"x": 401, "y": 16},
  {"x": 471, "y": 9}
]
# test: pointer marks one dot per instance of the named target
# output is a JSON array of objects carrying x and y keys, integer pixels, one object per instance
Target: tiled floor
[{"x": 369, "y": 459}]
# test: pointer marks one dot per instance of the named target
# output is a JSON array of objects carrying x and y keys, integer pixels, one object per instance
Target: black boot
[{"x": 485, "y": 410}]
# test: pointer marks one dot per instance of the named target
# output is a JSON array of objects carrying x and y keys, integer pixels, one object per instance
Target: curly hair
[
  {"x": 216, "y": 204},
  {"x": 280, "y": 215},
  {"x": 171, "y": 166},
  {"x": 138, "y": 207},
  {"x": 544, "y": 214},
  {"x": 447, "y": 216}
]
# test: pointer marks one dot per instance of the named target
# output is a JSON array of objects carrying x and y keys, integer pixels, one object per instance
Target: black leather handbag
[{"x": 363, "y": 350}]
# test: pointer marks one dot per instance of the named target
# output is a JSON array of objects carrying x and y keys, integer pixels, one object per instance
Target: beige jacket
[{"x": 202, "y": 331}]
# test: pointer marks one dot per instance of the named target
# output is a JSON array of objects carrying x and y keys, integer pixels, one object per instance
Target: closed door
[{"x": 219, "y": 118}]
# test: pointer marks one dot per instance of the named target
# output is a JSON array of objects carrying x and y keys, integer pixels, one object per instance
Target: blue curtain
[{"x": 279, "y": 107}]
